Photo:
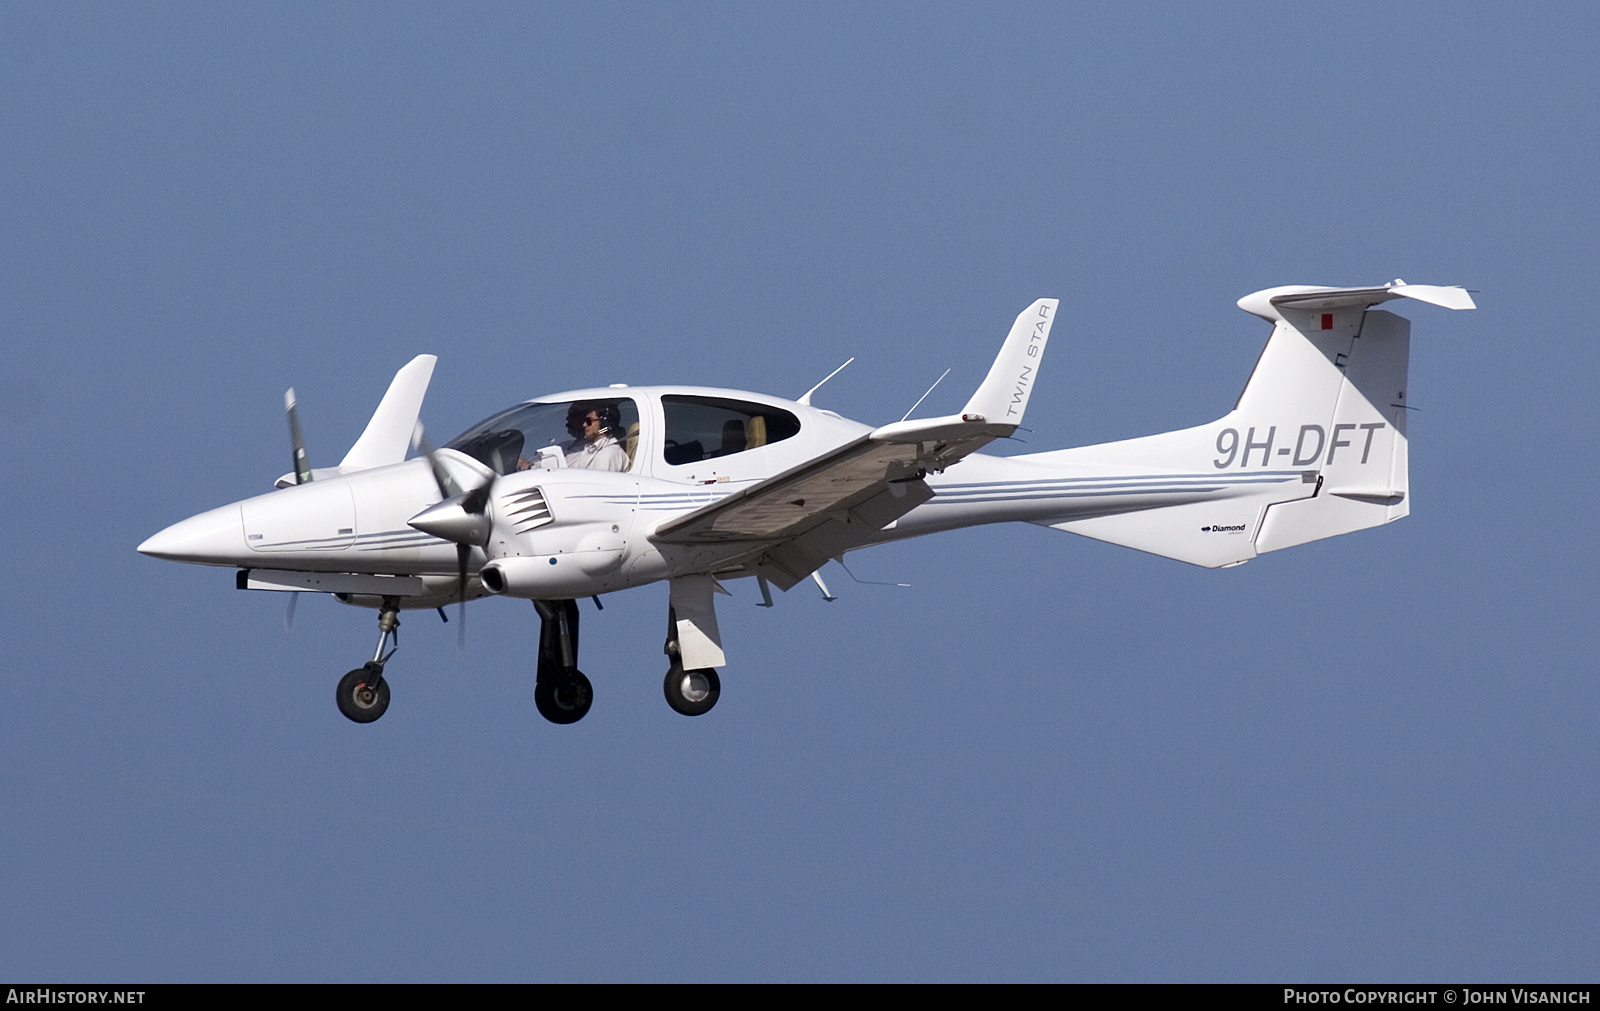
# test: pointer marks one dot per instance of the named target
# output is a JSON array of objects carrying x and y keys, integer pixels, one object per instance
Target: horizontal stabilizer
[
  {"x": 1449, "y": 296},
  {"x": 1314, "y": 298}
]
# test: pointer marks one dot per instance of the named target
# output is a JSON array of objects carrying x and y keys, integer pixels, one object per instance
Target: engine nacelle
[
  {"x": 559, "y": 534},
  {"x": 552, "y": 577}
]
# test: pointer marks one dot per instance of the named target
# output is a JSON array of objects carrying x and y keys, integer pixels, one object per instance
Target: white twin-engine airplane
[{"x": 585, "y": 493}]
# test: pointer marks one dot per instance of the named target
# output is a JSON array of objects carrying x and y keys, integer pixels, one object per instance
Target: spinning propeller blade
[
  {"x": 460, "y": 517},
  {"x": 462, "y": 553},
  {"x": 297, "y": 442},
  {"x": 441, "y": 476}
]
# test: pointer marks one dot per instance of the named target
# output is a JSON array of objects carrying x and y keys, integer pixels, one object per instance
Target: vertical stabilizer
[
  {"x": 1362, "y": 459},
  {"x": 1315, "y": 447}
]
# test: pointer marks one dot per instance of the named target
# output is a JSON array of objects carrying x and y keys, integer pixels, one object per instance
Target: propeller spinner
[{"x": 460, "y": 517}]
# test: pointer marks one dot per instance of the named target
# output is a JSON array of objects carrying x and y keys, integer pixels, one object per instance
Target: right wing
[{"x": 787, "y": 526}]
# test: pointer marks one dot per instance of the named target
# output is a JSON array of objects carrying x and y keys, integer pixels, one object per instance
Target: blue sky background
[{"x": 1370, "y": 758}]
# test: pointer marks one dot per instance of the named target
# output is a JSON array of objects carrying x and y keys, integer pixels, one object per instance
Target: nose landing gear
[{"x": 363, "y": 694}]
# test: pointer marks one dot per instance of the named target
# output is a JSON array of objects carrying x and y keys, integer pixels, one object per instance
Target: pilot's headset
[{"x": 610, "y": 418}]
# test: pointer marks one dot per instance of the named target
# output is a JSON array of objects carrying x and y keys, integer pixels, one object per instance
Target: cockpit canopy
[
  {"x": 696, "y": 427},
  {"x": 513, "y": 440}
]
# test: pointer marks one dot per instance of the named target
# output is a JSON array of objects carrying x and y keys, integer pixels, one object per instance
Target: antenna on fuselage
[
  {"x": 920, "y": 399},
  {"x": 806, "y": 399}
]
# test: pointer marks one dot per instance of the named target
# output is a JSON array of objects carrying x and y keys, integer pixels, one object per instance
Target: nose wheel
[
  {"x": 363, "y": 693},
  {"x": 691, "y": 692}
]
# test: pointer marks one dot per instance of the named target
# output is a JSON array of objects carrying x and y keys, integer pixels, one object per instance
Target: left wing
[
  {"x": 787, "y": 526},
  {"x": 387, "y": 437}
]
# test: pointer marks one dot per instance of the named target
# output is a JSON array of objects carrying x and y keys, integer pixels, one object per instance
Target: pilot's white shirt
[{"x": 602, "y": 454}]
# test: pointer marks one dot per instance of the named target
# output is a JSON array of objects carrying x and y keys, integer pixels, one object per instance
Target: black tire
[
  {"x": 691, "y": 692},
  {"x": 563, "y": 698},
  {"x": 364, "y": 693}
]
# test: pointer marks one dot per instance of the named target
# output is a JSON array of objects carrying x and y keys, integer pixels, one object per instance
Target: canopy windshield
[{"x": 511, "y": 440}]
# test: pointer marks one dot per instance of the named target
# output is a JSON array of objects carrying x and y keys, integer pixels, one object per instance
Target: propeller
[
  {"x": 461, "y": 517},
  {"x": 297, "y": 442},
  {"x": 302, "y": 475}
]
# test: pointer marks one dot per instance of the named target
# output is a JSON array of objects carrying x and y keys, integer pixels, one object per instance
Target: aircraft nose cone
[{"x": 211, "y": 538}]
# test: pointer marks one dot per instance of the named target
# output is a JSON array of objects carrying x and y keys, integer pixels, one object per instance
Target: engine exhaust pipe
[{"x": 493, "y": 579}]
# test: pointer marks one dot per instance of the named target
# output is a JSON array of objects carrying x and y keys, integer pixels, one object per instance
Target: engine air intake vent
[{"x": 526, "y": 510}]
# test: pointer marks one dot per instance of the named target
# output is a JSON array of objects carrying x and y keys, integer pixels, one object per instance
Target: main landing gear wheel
[
  {"x": 560, "y": 691},
  {"x": 363, "y": 693},
  {"x": 563, "y": 698},
  {"x": 691, "y": 692}
]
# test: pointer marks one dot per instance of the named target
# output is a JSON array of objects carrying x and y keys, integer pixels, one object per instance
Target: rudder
[{"x": 1363, "y": 473}]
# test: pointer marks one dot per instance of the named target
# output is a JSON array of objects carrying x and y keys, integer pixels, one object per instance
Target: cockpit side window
[
  {"x": 535, "y": 435},
  {"x": 703, "y": 428}
]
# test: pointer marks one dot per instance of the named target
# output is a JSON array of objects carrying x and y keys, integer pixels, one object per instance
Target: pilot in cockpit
[{"x": 594, "y": 427}]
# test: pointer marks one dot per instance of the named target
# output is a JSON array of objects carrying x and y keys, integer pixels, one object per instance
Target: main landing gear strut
[
  {"x": 561, "y": 693},
  {"x": 363, "y": 694}
]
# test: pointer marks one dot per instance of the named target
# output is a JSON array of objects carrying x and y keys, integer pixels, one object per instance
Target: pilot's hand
[{"x": 524, "y": 464}]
